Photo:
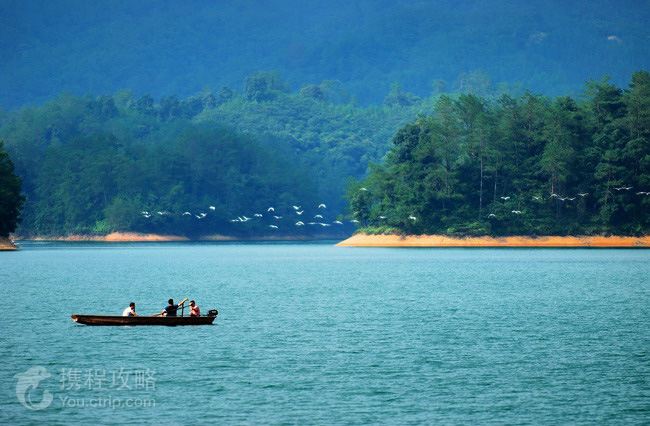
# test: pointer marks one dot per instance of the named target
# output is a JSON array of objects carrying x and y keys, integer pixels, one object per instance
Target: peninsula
[{"x": 394, "y": 240}]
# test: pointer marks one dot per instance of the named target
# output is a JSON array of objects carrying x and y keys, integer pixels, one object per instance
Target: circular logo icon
[{"x": 27, "y": 386}]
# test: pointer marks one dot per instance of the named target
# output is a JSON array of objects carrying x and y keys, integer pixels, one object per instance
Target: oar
[{"x": 183, "y": 307}]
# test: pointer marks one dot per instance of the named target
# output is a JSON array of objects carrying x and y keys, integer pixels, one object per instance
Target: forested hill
[
  {"x": 518, "y": 166},
  {"x": 217, "y": 162},
  {"x": 178, "y": 48},
  {"x": 199, "y": 165}
]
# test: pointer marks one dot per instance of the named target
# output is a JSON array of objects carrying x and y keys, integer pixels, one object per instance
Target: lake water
[{"x": 314, "y": 334}]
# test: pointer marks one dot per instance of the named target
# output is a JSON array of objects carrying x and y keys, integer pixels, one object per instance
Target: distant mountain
[{"x": 172, "y": 47}]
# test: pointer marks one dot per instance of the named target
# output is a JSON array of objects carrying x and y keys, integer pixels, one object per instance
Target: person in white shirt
[{"x": 130, "y": 311}]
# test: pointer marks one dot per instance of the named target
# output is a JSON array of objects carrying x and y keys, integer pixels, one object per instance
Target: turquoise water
[{"x": 311, "y": 333}]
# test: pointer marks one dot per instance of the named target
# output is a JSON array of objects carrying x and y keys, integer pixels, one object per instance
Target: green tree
[
  {"x": 609, "y": 137},
  {"x": 636, "y": 151},
  {"x": 264, "y": 86},
  {"x": 11, "y": 199},
  {"x": 398, "y": 97}
]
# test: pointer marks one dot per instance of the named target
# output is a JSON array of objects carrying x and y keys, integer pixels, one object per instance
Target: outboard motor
[{"x": 213, "y": 313}]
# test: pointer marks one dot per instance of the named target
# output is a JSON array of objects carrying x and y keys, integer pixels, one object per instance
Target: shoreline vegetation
[
  {"x": 530, "y": 165},
  {"x": 248, "y": 164},
  {"x": 395, "y": 240},
  {"x": 367, "y": 240}
]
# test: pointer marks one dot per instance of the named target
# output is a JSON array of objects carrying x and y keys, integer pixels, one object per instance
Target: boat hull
[{"x": 108, "y": 320}]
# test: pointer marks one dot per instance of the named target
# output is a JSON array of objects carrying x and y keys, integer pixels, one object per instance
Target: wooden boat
[{"x": 142, "y": 320}]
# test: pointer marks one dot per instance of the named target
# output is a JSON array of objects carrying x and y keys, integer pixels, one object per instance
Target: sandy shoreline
[
  {"x": 364, "y": 240},
  {"x": 6, "y": 245},
  {"x": 134, "y": 237},
  {"x": 114, "y": 237}
]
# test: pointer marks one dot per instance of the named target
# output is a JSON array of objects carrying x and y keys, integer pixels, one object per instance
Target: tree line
[
  {"x": 459, "y": 164},
  {"x": 92, "y": 165},
  {"x": 528, "y": 165}
]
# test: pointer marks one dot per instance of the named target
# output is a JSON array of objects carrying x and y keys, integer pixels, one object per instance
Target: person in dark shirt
[{"x": 170, "y": 310}]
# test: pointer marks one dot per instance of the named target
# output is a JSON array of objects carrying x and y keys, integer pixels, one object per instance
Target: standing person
[
  {"x": 194, "y": 309},
  {"x": 170, "y": 310},
  {"x": 130, "y": 311}
]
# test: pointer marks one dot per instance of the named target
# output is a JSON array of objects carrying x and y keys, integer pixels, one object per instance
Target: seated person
[
  {"x": 170, "y": 310},
  {"x": 194, "y": 309},
  {"x": 130, "y": 311}
]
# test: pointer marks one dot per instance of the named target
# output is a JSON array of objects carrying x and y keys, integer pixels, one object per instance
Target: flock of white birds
[
  {"x": 567, "y": 198},
  {"x": 298, "y": 211}
]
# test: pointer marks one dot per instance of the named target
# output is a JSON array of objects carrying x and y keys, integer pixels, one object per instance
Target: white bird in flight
[
  {"x": 354, "y": 221},
  {"x": 257, "y": 215},
  {"x": 322, "y": 206},
  {"x": 583, "y": 194},
  {"x": 318, "y": 216},
  {"x": 296, "y": 207},
  {"x": 300, "y": 212},
  {"x": 212, "y": 208},
  {"x": 187, "y": 214},
  {"x": 614, "y": 38},
  {"x": 277, "y": 217},
  {"x": 363, "y": 189},
  {"x": 516, "y": 211},
  {"x": 338, "y": 222},
  {"x": 273, "y": 227},
  {"x": 270, "y": 210},
  {"x": 300, "y": 223},
  {"x": 382, "y": 217},
  {"x": 413, "y": 218},
  {"x": 492, "y": 215},
  {"x": 505, "y": 198}
]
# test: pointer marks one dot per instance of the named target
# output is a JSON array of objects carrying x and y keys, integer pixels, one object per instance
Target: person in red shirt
[{"x": 194, "y": 309}]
